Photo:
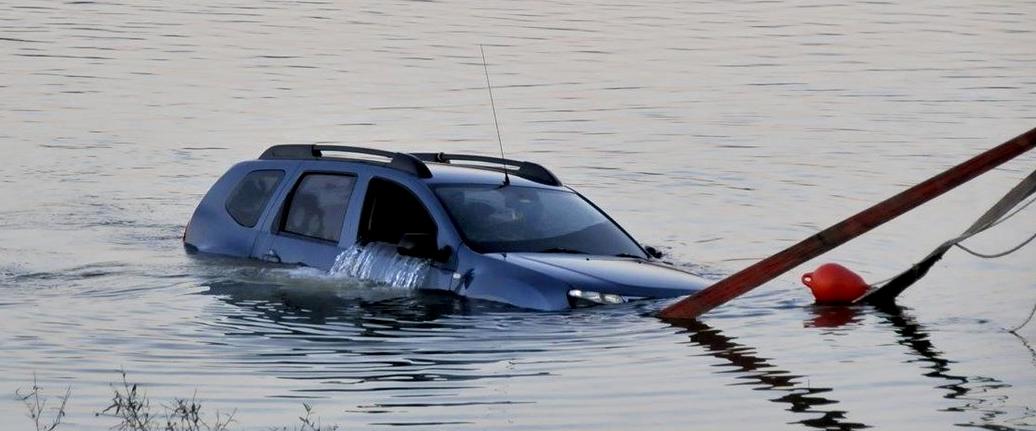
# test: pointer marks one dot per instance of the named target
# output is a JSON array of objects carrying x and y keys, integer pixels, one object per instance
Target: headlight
[{"x": 585, "y": 298}]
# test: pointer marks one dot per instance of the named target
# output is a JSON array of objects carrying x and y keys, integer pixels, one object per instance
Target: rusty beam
[{"x": 840, "y": 233}]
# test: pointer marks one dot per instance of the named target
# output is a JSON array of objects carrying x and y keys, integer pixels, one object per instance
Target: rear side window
[
  {"x": 248, "y": 200},
  {"x": 317, "y": 208}
]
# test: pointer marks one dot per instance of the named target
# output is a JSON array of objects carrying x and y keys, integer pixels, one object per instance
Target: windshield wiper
[
  {"x": 628, "y": 255},
  {"x": 563, "y": 250}
]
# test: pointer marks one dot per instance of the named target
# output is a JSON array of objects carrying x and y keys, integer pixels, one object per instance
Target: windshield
[{"x": 496, "y": 219}]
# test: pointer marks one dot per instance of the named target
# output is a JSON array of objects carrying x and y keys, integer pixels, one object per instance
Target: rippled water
[{"x": 721, "y": 131}]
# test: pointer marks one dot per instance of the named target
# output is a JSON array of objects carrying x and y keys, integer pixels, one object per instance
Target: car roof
[
  {"x": 433, "y": 168},
  {"x": 457, "y": 174}
]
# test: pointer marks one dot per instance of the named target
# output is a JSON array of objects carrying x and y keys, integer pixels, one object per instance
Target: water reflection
[
  {"x": 434, "y": 351},
  {"x": 279, "y": 303},
  {"x": 971, "y": 390},
  {"x": 827, "y": 316},
  {"x": 415, "y": 342},
  {"x": 968, "y": 389},
  {"x": 771, "y": 378},
  {"x": 911, "y": 334}
]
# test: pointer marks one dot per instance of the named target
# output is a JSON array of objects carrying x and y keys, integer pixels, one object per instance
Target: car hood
[{"x": 606, "y": 274}]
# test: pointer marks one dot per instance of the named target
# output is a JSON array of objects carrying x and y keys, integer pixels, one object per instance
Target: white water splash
[{"x": 380, "y": 263}]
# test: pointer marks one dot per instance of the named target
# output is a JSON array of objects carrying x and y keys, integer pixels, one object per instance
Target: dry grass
[
  {"x": 36, "y": 402},
  {"x": 132, "y": 409}
]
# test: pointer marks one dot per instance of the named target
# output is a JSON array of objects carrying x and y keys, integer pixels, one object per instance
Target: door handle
[{"x": 271, "y": 256}]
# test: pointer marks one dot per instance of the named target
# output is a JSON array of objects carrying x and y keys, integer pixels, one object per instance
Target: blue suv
[{"x": 487, "y": 228}]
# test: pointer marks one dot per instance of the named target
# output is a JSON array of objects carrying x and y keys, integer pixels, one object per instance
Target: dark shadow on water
[
  {"x": 971, "y": 391},
  {"x": 966, "y": 389},
  {"x": 767, "y": 376}
]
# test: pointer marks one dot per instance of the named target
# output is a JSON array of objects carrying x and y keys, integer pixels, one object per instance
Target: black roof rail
[
  {"x": 399, "y": 161},
  {"x": 528, "y": 170}
]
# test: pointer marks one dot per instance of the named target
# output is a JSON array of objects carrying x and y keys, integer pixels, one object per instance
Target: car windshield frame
[{"x": 619, "y": 241}]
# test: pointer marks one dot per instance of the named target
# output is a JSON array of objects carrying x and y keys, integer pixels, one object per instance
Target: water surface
[{"x": 720, "y": 131}]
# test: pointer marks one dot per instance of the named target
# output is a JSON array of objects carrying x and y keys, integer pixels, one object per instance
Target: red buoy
[{"x": 832, "y": 283}]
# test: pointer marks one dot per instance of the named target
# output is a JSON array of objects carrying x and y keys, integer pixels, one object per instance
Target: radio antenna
[{"x": 500, "y": 141}]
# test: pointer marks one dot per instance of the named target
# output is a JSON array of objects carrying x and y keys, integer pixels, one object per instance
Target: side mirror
[
  {"x": 417, "y": 245},
  {"x": 423, "y": 245},
  {"x": 444, "y": 254},
  {"x": 654, "y": 252}
]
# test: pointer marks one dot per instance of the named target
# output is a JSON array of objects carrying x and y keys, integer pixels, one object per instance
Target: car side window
[
  {"x": 249, "y": 198},
  {"x": 317, "y": 206},
  {"x": 394, "y": 215}
]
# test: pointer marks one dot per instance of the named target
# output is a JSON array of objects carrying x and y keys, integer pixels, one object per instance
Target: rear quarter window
[{"x": 251, "y": 195}]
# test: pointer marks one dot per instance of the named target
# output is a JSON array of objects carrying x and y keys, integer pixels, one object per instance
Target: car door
[
  {"x": 397, "y": 214},
  {"x": 312, "y": 218}
]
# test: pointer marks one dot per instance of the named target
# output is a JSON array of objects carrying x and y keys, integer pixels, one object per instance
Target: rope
[
  {"x": 1005, "y": 253},
  {"x": 1032, "y": 312},
  {"x": 1003, "y": 210},
  {"x": 994, "y": 224},
  {"x": 1001, "y": 254},
  {"x": 1026, "y": 322},
  {"x": 975, "y": 230},
  {"x": 996, "y": 255},
  {"x": 1012, "y": 214}
]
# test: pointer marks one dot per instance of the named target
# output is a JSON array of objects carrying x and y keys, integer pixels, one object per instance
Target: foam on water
[{"x": 380, "y": 263}]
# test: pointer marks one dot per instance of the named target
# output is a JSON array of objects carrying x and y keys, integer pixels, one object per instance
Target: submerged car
[{"x": 489, "y": 228}]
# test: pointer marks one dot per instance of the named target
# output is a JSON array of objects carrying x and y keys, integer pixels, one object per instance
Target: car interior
[{"x": 393, "y": 215}]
